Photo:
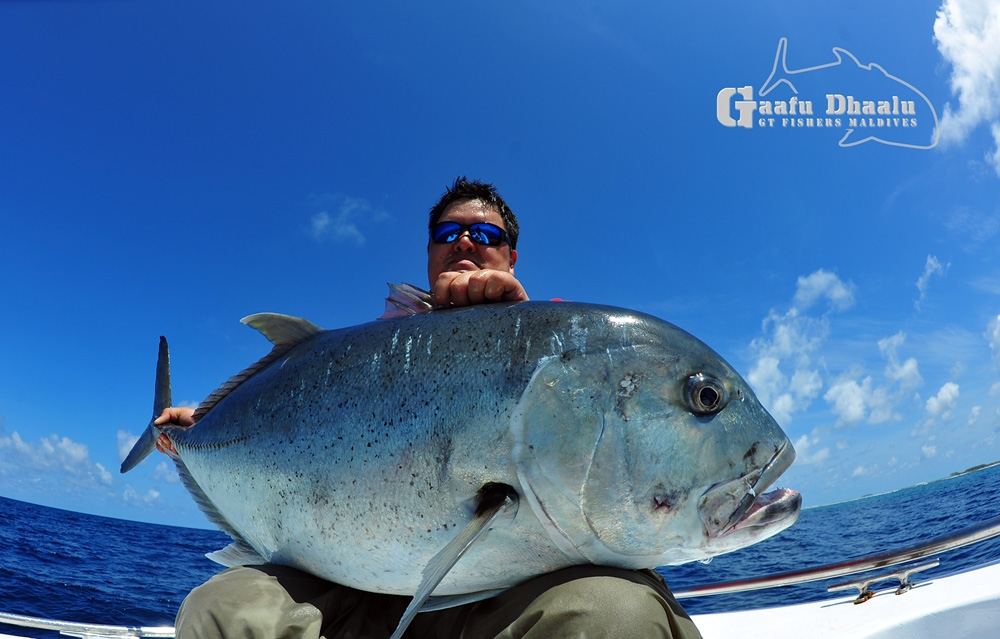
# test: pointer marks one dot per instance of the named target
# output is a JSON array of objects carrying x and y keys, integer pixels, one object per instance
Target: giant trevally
[{"x": 368, "y": 455}]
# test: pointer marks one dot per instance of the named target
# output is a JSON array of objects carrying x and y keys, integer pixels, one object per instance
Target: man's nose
[{"x": 464, "y": 242}]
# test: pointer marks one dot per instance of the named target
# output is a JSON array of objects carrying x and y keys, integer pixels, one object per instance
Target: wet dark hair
[{"x": 463, "y": 190}]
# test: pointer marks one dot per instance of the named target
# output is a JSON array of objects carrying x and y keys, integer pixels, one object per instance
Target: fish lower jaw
[{"x": 780, "y": 507}]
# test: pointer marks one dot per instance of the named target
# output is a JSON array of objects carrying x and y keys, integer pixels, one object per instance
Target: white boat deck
[
  {"x": 961, "y": 606},
  {"x": 966, "y": 605}
]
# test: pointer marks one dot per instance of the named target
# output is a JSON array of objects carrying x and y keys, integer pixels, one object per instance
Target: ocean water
[{"x": 66, "y": 565}]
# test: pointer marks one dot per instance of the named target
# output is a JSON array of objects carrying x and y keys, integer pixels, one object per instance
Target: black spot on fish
[{"x": 750, "y": 453}]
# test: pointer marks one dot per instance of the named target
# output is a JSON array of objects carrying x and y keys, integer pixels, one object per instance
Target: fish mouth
[{"x": 746, "y": 505}]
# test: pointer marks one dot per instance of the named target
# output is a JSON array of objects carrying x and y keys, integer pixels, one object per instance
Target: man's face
[{"x": 463, "y": 254}]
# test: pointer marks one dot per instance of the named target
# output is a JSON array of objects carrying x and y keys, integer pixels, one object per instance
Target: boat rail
[
  {"x": 950, "y": 541},
  {"x": 86, "y": 630}
]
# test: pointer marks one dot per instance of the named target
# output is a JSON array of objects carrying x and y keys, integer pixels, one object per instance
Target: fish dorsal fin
[
  {"x": 281, "y": 330},
  {"x": 284, "y": 331},
  {"x": 405, "y": 300},
  {"x": 493, "y": 499}
]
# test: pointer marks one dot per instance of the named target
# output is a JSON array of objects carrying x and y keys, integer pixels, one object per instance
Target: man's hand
[
  {"x": 464, "y": 288},
  {"x": 180, "y": 416}
]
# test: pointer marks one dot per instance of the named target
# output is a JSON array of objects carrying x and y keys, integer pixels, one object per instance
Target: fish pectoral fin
[
  {"x": 450, "y": 601},
  {"x": 492, "y": 500},
  {"x": 238, "y": 553},
  {"x": 281, "y": 330},
  {"x": 405, "y": 300}
]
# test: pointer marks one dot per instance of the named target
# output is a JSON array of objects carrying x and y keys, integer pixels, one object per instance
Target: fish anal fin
[
  {"x": 238, "y": 553},
  {"x": 492, "y": 500}
]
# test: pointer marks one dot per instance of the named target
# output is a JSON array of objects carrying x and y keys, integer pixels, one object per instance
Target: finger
[
  {"x": 496, "y": 286},
  {"x": 515, "y": 292},
  {"x": 184, "y": 416},
  {"x": 458, "y": 290},
  {"x": 165, "y": 417},
  {"x": 477, "y": 287},
  {"x": 440, "y": 294}
]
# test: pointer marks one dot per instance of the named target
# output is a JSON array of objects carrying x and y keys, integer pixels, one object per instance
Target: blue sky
[{"x": 169, "y": 168}]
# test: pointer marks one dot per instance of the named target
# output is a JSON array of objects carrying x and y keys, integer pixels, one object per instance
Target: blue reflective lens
[{"x": 482, "y": 233}]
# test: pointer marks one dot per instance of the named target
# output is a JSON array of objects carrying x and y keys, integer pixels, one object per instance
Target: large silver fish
[{"x": 362, "y": 454}]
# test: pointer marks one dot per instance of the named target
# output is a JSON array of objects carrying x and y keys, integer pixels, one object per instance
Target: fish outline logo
[{"x": 781, "y": 66}]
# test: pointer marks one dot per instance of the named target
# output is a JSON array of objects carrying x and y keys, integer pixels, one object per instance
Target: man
[{"x": 470, "y": 260}]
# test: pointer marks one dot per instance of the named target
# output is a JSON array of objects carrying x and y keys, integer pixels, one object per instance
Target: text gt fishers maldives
[{"x": 472, "y": 464}]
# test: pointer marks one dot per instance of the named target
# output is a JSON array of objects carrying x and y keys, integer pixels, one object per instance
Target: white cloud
[
  {"x": 854, "y": 398},
  {"x": 942, "y": 403},
  {"x": 126, "y": 441},
  {"x": 344, "y": 223},
  {"x": 319, "y": 222},
  {"x": 63, "y": 449},
  {"x": 783, "y": 376},
  {"x": 52, "y": 454},
  {"x": 967, "y": 33},
  {"x": 928, "y": 451},
  {"x": 881, "y": 404},
  {"x": 806, "y": 451},
  {"x": 995, "y": 389},
  {"x": 823, "y": 284},
  {"x": 166, "y": 473},
  {"x": 987, "y": 284},
  {"x": 974, "y": 414},
  {"x": 860, "y": 471},
  {"x": 994, "y": 158},
  {"x": 15, "y": 442},
  {"x": 972, "y": 228},
  {"x": 907, "y": 374},
  {"x": 848, "y": 399},
  {"x": 131, "y": 496},
  {"x": 766, "y": 378},
  {"x": 806, "y": 384},
  {"x": 993, "y": 337},
  {"x": 102, "y": 474},
  {"x": 932, "y": 267}
]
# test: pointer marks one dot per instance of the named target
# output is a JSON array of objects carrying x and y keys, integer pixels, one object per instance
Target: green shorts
[{"x": 277, "y": 602}]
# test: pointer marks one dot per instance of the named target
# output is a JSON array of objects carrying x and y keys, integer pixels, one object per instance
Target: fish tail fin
[
  {"x": 779, "y": 70},
  {"x": 161, "y": 400}
]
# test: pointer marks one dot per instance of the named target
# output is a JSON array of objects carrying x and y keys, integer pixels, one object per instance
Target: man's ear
[{"x": 513, "y": 259}]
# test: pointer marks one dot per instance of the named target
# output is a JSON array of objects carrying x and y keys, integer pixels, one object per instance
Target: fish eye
[{"x": 705, "y": 395}]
